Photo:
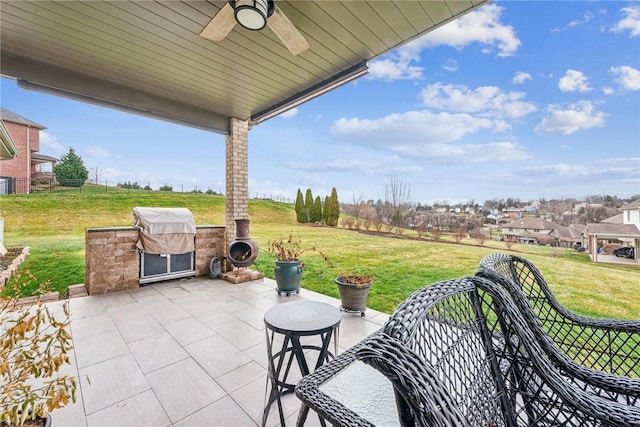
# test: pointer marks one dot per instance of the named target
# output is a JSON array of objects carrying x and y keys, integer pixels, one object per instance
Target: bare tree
[
  {"x": 95, "y": 174},
  {"x": 458, "y": 236},
  {"x": 421, "y": 229},
  {"x": 479, "y": 235},
  {"x": 358, "y": 206},
  {"x": 509, "y": 243},
  {"x": 398, "y": 200},
  {"x": 389, "y": 227},
  {"x": 436, "y": 233}
]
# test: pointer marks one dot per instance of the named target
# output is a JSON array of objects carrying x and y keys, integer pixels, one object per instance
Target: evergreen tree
[
  {"x": 327, "y": 202},
  {"x": 316, "y": 212},
  {"x": 71, "y": 171},
  {"x": 308, "y": 205},
  {"x": 333, "y": 210},
  {"x": 299, "y": 207}
]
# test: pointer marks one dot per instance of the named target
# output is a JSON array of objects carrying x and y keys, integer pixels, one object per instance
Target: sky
[{"x": 522, "y": 99}]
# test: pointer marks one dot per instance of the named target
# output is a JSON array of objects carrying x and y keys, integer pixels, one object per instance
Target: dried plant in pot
[
  {"x": 354, "y": 291},
  {"x": 289, "y": 267},
  {"x": 34, "y": 346}
]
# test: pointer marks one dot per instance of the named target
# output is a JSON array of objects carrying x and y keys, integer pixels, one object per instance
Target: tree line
[{"x": 313, "y": 210}]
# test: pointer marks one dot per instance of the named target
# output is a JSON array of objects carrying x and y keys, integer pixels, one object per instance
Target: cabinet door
[
  {"x": 154, "y": 264},
  {"x": 181, "y": 262}
]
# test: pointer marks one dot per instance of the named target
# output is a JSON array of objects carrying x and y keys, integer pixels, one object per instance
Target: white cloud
[
  {"x": 427, "y": 136},
  {"x": 608, "y": 90},
  {"x": 480, "y": 26},
  {"x": 627, "y": 77},
  {"x": 486, "y": 100},
  {"x": 603, "y": 170},
  {"x": 109, "y": 174},
  {"x": 520, "y": 78},
  {"x": 576, "y": 117},
  {"x": 451, "y": 65},
  {"x": 98, "y": 152},
  {"x": 585, "y": 19},
  {"x": 574, "y": 81},
  {"x": 49, "y": 142},
  {"x": 396, "y": 66},
  {"x": 475, "y": 153},
  {"x": 289, "y": 113},
  {"x": 413, "y": 128},
  {"x": 630, "y": 23},
  {"x": 337, "y": 165}
]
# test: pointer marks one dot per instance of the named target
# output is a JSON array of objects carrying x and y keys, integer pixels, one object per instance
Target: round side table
[{"x": 294, "y": 320}]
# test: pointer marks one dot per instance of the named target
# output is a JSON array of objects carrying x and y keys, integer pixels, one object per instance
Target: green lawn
[{"x": 53, "y": 225}]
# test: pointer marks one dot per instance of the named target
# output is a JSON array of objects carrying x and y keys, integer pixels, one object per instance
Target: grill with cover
[{"x": 166, "y": 243}]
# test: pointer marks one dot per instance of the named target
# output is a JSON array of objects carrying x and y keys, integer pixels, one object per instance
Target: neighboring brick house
[
  {"x": 25, "y": 134},
  {"x": 539, "y": 231},
  {"x": 623, "y": 228}
]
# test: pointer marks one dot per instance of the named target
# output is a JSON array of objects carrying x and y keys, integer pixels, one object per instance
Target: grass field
[{"x": 53, "y": 225}]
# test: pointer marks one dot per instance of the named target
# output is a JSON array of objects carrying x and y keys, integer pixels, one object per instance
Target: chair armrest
[{"x": 421, "y": 396}]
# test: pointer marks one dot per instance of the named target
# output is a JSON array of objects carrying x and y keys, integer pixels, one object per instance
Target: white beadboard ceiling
[{"x": 147, "y": 56}]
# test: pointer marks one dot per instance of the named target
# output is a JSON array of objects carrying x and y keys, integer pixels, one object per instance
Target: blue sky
[{"x": 531, "y": 100}]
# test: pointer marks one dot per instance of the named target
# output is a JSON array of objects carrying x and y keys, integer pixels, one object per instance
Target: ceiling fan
[{"x": 255, "y": 15}]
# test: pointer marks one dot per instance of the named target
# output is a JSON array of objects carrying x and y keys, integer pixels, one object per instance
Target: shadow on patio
[{"x": 184, "y": 352}]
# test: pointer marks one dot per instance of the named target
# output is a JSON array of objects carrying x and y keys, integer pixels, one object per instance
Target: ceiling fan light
[{"x": 251, "y": 14}]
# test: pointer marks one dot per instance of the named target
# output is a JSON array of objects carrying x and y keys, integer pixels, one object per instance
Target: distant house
[
  {"x": 17, "y": 171},
  {"x": 623, "y": 228},
  {"x": 540, "y": 231},
  {"x": 512, "y": 213}
]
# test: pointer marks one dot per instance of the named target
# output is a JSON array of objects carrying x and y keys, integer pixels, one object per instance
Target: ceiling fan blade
[
  {"x": 287, "y": 32},
  {"x": 221, "y": 24}
]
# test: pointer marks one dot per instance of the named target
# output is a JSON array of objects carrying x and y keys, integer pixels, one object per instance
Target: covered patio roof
[
  {"x": 148, "y": 57},
  {"x": 8, "y": 149}
]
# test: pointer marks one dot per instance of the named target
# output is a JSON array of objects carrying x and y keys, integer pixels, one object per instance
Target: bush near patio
[{"x": 53, "y": 225}]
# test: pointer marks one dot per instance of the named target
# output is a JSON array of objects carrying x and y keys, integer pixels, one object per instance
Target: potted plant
[
  {"x": 34, "y": 345},
  {"x": 289, "y": 266},
  {"x": 354, "y": 291}
]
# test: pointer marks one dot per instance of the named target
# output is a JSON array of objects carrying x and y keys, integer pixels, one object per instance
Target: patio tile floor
[{"x": 187, "y": 352}]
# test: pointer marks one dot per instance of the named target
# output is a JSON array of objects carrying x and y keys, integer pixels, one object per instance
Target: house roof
[
  {"x": 633, "y": 205},
  {"x": 534, "y": 223},
  {"x": 572, "y": 233},
  {"x": 616, "y": 219},
  {"x": 616, "y": 230},
  {"x": 576, "y": 230},
  {"x": 147, "y": 57},
  {"x": 10, "y": 116},
  {"x": 37, "y": 158}
]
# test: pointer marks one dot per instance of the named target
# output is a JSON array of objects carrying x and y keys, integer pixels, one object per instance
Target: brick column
[{"x": 237, "y": 177}]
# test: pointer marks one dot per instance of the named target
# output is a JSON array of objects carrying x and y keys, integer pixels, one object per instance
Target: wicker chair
[
  {"x": 460, "y": 353},
  {"x": 607, "y": 345}
]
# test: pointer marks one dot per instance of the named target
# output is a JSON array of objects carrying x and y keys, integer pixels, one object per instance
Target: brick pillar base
[{"x": 237, "y": 177}]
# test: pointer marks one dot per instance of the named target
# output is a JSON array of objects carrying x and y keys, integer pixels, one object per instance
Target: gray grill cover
[{"x": 165, "y": 230}]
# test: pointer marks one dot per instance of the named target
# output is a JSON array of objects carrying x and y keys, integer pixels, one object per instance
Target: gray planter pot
[{"x": 353, "y": 297}]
